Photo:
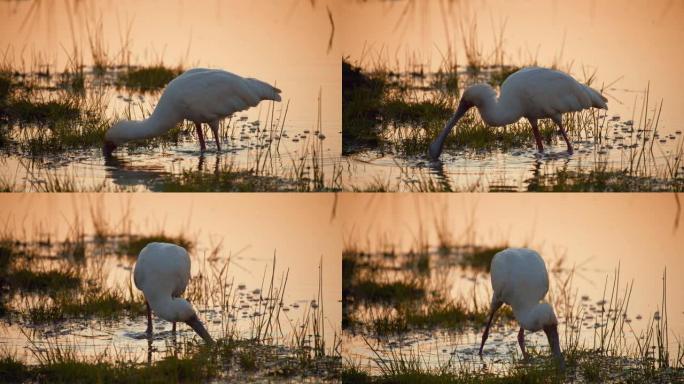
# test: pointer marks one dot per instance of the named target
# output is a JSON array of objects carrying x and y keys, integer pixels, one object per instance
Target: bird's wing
[
  {"x": 519, "y": 277},
  {"x": 214, "y": 94},
  {"x": 181, "y": 268},
  {"x": 548, "y": 92}
]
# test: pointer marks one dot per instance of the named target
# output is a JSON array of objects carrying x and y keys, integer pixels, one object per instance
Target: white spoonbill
[
  {"x": 162, "y": 273},
  {"x": 200, "y": 95},
  {"x": 519, "y": 279},
  {"x": 532, "y": 93}
]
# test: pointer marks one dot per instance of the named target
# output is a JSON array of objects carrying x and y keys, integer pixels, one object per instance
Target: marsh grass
[
  {"x": 145, "y": 79},
  {"x": 132, "y": 246}
]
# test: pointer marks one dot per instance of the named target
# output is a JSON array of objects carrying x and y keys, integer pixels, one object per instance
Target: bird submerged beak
[
  {"x": 197, "y": 325},
  {"x": 108, "y": 148},
  {"x": 435, "y": 148},
  {"x": 552, "y": 335}
]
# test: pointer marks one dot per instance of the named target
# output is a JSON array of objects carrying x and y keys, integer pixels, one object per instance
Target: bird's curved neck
[
  {"x": 497, "y": 112},
  {"x": 525, "y": 316},
  {"x": 163, "y": 306},
  {"x": 159, "y": 122}
]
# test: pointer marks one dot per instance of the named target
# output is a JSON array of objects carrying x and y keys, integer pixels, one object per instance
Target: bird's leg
[
  {"x": 537, "y": 135},
  {"x": 485, "y": 335},
  {"x": 200, "y": 136},
  {"x": 559, "y": 123},
  {"x": 149, "y": 319},
  {"x": 173, "y": 329},
  {"x": 521, "y": 341},
  {"x": 215, "y": 129}
]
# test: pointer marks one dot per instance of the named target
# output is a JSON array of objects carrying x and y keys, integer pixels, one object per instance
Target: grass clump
[
  {"x": 148, "y": 78},
  {"x": 602, "y": 179},
  {"x": 136, "y": 243},
  {"x": 227, "y": 360},
  {"x": 18, "y": 276},
  {"x": 50, "y": 281},
  {"x": 93, "y": 301},
  {"x": 361, "y": 105},
  {"x": 481, "y": 258},
  {"x": 402, "y": 112},
  {"x": 247, "y": 360},
  {"x": 41, "y": 112},
  {"x": 69, "y": 369},
  {"x": 375, "y": 292}
]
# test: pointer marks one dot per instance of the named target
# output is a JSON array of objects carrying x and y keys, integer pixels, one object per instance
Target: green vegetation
[
  {"x": 51, "y": 281},
  {"x": 602, "y": 179},
  {"x": 49, "y": 113},
  {"x": 361, "y": 103},
  {"x": 92, "y": 301},
  {"x": 228, "y": 359},
  {"x": 481, "y": 257},
  {"x": 147, "y": 79},
  {"x": 135, "y": 243},
  {"x": 372, "y": 291}
]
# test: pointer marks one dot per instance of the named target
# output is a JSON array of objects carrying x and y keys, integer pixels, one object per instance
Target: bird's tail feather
[{"x": 597, "y": 99}]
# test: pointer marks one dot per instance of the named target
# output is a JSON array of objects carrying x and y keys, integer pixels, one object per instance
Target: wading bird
[
  {"x": 519, "y": 279},
  {"x": 532, "y": 93},
  {"x": 199, "y": 95},
  {"x": 162, "y": 272}
]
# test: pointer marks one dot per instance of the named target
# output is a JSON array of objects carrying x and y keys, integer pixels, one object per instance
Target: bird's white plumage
[
  {"x": 162, "y": 272},
  {"x": 200, "y": 95},
  {"x": 519, "y": 278},
  {"x": 543, "y": 93},
  {"x": 205, "y": 95}
]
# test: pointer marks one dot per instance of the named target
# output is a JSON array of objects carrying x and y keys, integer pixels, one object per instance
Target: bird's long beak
[
  {"x": 108, "y": 148},
  {"x": 435, "y": 148},
  {"x": 552, "y": 335},
  {"x": 197, "y": 325}
]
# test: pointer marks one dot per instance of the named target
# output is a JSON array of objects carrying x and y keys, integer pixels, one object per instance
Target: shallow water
[
  {"x": 593, "y": 234},
  {"x": 516, "y": 169},
  {"x": 297, "y": 229},
  {"x": 284, "y": 43}
]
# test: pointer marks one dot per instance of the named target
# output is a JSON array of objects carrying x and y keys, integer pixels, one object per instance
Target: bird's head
[
  {"x": 183, "y": 311},
  {"x": 477, "y": 94},
  {"x": 118, "y": 134},
  {"x": 543, "y": 317}
]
